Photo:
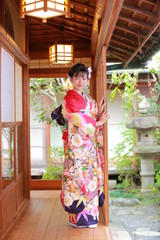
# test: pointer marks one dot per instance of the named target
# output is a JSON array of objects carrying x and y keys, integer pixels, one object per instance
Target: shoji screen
[
  {"x": 7, "y": 87},
  {"x": 18, "y": 82}
]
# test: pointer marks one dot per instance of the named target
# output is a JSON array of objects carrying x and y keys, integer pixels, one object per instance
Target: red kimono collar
[{"x": 74, "y": 102}]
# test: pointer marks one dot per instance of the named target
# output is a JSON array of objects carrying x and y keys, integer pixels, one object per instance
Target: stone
[
  {"x": 147, "y": 233},
  {"x": 112, "y": 184},
  {"x": 124, "y": 202}
]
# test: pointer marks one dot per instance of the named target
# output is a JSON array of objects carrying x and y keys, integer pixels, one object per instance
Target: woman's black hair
[{"x": 77, "y": 68}]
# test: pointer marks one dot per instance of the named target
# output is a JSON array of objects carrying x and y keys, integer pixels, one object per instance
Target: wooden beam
[
  {"x": 119, "y": 49},
  {"x": 126, "y": 38},
  {"x": 46, "y": 185},
  {"x": 134, "y": 32},
  {"x": 82, "y": 5},
  {"x": 139, "y": 10},
  {"x": 72, "y": 21},
  {"x": 116, "y": 41},
  {"x": 48, "y": 72},
  {"x": 85, "y": 52},
  {"x": 74, "y": 31},
  {"x": 111, "y": 12},
  {"x": 9, "y": 43},
  {"x": 152, "y": 2},
  {"x": 118, "y": 56},
  {"x": 126, "y": 29},
  {"x": 79, "y": 33},
  {"x": 136, "y": 22},
  {"x": 153, "y": 29},
  {"x": 82, "y": 15},
  {"x": 139, "y": 41},
  {"x": 67, "y": 28}
]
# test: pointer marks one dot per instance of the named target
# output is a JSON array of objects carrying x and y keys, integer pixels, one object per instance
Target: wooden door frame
[{"x": 13, "y": 49}]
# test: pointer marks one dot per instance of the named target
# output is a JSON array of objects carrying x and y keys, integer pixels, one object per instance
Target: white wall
[
  {"x": 114, "y": 123},
  {"x": 37, "y": 140},
  {"x": 7, "y": 87},
  {"x": 56, "y": 136}
]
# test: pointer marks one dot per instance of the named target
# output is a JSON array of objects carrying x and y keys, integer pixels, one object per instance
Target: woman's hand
[
  {"x": 103, "y": 118},
  {"x": 101, "y": 106}
]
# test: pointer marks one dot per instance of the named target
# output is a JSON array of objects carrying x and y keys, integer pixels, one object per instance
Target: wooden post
[
  {"x": 93, "y": 85},
  {"x": 26, "y": 132},
  {"x": 47, "y": 134},
  {"x": 1, "y": 199},
  {"x": 101, "y": 91}
]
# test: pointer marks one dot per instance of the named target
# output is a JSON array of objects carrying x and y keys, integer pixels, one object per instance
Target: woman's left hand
[{"x": 102, "y": 103}]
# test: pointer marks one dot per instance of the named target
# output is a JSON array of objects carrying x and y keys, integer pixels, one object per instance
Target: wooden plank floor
[{"x": 44, "y": 218}]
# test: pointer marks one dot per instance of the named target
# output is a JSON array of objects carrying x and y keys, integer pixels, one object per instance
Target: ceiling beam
[
  {"x": 135, "y": 21},
  {"x": 139, "y": 10},
  {"x": 118, "y": 56},
  {"x": 84, "y": 52},
  {"x": 152, "y": 2},
  {"x": 48, "y": 72},
  {"x": 126, "y": 29},
  {"x": 72, "y": 30},
  {"x": 111, "y": 12},
  {"x": 119, "y": 49},
  {"x": 82, "y": 5},
  {"x": 121, "y": 43},
  {"x": 131, "y": 40},
  {"x": 153, "y": 29},
  {"x": 80, "y": 23},
  {"x": 82, "y": 15},
  {"x": 134, "y": 32}
]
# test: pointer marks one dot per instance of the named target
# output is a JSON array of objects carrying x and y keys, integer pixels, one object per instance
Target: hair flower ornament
[{"x": 89, "y": 71}]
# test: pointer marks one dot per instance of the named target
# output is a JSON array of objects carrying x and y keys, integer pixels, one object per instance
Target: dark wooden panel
[
  {"x": 9, "y": 205},
  {"x": 20, "y": 189},
  {"x": 46, "y": 184},
  {"x": 48, "y": 72}
]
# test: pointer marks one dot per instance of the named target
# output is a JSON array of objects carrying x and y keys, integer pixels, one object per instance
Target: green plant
[
  {"x": 56, "y": 153},
  {"x": 131, "y": 94},
  {"x": 44, "y": 96},
  {"x": 53, "y": 172},
  {"x": 55, "y": 168},
  {"x": 156, "y": 188},
  {"x": 128, "y": 164}
]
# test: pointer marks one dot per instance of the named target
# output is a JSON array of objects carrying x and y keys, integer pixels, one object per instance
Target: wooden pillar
[
  {"x": 101, "y": 91},
  {"x": 1, "y": 199},
  {"x": 26, "y": 132},
  {"x": 93, "y": 85},
  {"x": 47, "y": 134}
]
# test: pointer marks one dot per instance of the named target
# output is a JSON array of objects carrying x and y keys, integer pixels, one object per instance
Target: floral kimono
[{"x": 82, "y": 180}]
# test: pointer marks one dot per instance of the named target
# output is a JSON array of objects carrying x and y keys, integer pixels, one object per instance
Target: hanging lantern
[
  {"x": 61, "y": 53},
  {"x": 44, "y": 9}
]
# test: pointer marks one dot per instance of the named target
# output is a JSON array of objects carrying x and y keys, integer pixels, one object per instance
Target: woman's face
[{"x": 79, "y": 82}]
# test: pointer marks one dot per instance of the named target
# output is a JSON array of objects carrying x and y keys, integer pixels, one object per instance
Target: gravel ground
[{"x": 141, "y": 222}]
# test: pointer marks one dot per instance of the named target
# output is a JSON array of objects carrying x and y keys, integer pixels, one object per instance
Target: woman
[{"x": 83, "y": 180}]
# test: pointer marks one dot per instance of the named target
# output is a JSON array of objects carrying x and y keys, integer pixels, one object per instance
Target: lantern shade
[
  {"x": 61, "y": 53},
  {"x": 44, "y": 8}
]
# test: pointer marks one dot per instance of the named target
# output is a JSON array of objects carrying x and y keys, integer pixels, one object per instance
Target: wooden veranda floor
[{"x": 44, "y": 218}]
